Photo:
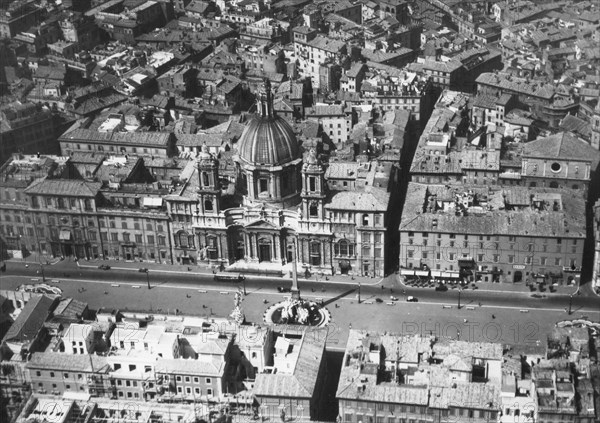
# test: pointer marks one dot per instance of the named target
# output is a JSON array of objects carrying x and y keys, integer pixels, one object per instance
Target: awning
[
  {"x": 345, "y": 264},
  {"x": 422, "y": 273},
  {"x": 436, "y": 273},
  {"x": 450, "y": 275},
  {"x": 407, "y": 272},
  {"x": 64, "y": 235},
  {"x": 152, "y": 202}
]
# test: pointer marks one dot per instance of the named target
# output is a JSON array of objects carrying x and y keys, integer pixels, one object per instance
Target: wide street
[{"x": 514, "y": 318}]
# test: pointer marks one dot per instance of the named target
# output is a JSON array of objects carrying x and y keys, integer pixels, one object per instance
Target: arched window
[
  {"x": 344, "y": 248},
  {"x": 61, "y": 203},
  {"x": 208, "y": 205},
  {"x": 313, "y": 209},
  {"x": 553, "y": 184},
  {"x": 205, "y": 181}
]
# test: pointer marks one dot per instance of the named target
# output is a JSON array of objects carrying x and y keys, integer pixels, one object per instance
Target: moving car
[
  {"x": 104, "y": 267},
  {"x": 378, "y": 300},
  {"x": 411, "y": 299},
  {"x": 441, "y": 287},
  {"x": 283, "y": 289}
]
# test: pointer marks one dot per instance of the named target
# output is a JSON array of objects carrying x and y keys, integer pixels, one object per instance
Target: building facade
[{"x": 286, "y": 206}]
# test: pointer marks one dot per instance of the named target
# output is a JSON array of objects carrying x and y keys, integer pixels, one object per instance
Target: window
[
  {"x": 196, "y": 380},
  {"x": 150, "y": 239},
  {"x": 555, "y": 167},
  {"x": 263, "y": 185},
  {"x": 208, "y": 381},
  {"x": 313, "y": 210},
  {"x": 344, "y": 248}
]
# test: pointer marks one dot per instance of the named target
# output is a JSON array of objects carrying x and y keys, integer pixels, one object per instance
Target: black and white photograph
[{"x": 294, "y": 211}]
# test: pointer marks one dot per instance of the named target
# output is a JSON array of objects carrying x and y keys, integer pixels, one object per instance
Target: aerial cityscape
[{"x": 349, "y": 211}]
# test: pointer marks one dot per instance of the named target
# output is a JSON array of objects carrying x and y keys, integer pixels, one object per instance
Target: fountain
[{"x": 295, "y": 310}]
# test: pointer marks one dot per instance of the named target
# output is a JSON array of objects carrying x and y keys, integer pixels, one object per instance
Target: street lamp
[
  {"x": 42, "y": 272},
  {"x": 244, "y": 282},
  {"x": 359, "y": 292},
  {"x": 147, "y": 272},
  {"x": 459, "y": 291},
  {"x": 570, "y": 304}
]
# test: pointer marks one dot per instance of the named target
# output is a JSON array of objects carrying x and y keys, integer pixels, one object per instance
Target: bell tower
[
  {"x": 209, "y": 192},
  {"x": 313, "y": 188}
]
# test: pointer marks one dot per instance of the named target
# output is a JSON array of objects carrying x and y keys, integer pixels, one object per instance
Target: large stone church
[{"x": 279, "y": 207}]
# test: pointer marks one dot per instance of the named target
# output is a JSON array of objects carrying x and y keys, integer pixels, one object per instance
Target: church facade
[{"x": 280, "y": 208}]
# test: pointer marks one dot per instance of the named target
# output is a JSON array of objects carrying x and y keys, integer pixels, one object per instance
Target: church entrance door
[{"x": 264, "y": 251}]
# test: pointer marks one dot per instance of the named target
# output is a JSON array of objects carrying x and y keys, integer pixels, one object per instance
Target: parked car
[
  {"x": 441, "y": 287},
  {"x": 378, "y": 300},
  {"x": 411, "y": 299},
  {"x": 104, "y": 267},
  {"x": 393, "y": 298},
  {"x": 143, "y": 270},
  {"x": 283, "y": 289}
]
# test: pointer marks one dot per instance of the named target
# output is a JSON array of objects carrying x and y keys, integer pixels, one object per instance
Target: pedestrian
[{"x": 105, "y": 292}]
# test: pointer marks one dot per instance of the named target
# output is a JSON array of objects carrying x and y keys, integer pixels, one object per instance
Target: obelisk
[{"x": 295, "y": 289}]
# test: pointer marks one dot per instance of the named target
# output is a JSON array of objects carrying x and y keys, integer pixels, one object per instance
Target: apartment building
[
  {"x": 156, "y": 144},
  {"x": 314, "y": 52},
  {"x": 56, "y": 374},
  {"x": 493, "y": 234},
  {"x": 26, "y": 128},
  {"x": 336, "y": 121},
  {"x": 393, "y": 378}
]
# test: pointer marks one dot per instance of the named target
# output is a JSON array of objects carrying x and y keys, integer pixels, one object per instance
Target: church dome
[{"x": 267, "y": 139}]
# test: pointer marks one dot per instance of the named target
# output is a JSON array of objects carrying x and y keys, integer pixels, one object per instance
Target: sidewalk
[
  {"x": 500, "y": 287},
  {"x": 194, "y": 269}
]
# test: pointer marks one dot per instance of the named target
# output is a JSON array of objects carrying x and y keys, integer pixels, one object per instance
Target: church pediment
[{"x": 261, "y": 224}]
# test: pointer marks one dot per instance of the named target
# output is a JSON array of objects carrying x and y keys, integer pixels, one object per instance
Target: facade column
[
  {"x": 322, "y": 246},
  {"x": 272, "y": 186},
  {"x": 254, "y": 247},
  {"x": 277, "y": 238},
  {"x": 250, "y": 187},
  {"x": 278, "y": 185},
  {"x": 246, "y": 246}
]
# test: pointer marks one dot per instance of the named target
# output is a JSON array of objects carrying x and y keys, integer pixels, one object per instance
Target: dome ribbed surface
[{"x": 268, "y": 141}]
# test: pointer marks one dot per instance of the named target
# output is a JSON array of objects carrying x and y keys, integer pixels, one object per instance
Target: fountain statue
[
  {"x": 237, "y": 315},
  {"x": 296, "y": 310}
]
